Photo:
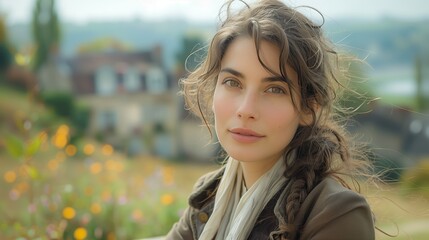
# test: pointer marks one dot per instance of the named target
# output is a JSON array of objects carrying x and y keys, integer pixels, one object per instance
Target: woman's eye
[
  {"x": 276, "y": 90},
  {"x": 231, "y": 83}
]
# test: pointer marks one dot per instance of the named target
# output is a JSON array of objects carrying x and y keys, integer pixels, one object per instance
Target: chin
[{"x": 244, "y": 156}]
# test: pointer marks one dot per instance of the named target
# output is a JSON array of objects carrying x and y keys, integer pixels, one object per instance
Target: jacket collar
[{"x": 205, "y": 188}]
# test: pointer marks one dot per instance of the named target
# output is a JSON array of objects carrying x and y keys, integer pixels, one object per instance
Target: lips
[
  {"x": 245, "y": 135},
  {"x": 245, "y": 132}
]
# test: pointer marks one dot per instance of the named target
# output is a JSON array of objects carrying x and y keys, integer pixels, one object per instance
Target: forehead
[
  {"x": 242, "y": 55},
  {"x": 244, "y": 47}
]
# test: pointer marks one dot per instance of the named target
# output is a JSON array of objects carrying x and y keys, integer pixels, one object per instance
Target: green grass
[{"x": 404, "y": 215}]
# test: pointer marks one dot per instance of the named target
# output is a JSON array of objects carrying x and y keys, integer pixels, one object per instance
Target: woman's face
[{"x": 255, "y": 118}]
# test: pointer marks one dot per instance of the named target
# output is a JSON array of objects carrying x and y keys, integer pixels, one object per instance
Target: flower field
[
  {"x": 55, "y": 188},
  {"x": 89, "y": 192}
]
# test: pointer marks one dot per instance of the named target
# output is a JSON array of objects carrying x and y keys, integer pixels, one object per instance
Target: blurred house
[
  {"x": 132, "y": 100},
  {"x": 134, "y": 103}
]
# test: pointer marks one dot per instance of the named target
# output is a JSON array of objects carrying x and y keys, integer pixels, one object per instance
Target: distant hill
[
  {"x": 386, "y": 42},
  {"x": 139, "y": 34}
]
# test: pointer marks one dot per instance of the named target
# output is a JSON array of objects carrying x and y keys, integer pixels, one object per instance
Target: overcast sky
[{"x": 82, "y": 11}]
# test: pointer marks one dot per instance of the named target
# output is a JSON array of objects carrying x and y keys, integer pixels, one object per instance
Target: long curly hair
[{"x": 322, "y": 147}]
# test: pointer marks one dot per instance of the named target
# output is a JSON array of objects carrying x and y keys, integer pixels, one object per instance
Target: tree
[
  {"x": 106, "y": 44},
  {"x": 46, "y": 31},
  {"x": 5, "y": 54},
  {"x": 192, "y": 52},
  {"x": 420, "y": 94}
]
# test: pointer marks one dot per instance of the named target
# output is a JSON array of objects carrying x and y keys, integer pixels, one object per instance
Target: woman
[{"x": 268, "y": 84}]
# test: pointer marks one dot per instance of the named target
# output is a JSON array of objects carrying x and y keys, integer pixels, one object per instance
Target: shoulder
[
  {"x": 205, "y": 187},
  {"x": 330, "y": 192},
  {"x": 190, "y": 224},
  {"x": 333, "y": 210},
  {"x": 330, "y": 196}
]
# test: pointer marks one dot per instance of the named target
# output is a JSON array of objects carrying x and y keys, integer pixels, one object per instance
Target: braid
[
  {"x": 313, "y": 162},
  {"x": 294, "y": 200}
]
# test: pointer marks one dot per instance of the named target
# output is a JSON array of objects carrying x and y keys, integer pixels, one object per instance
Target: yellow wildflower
[
  {"x": 71, "y": 150},
  {"x": 107, "y": 150},
  {"x": 95, "y": 168},
  {"x": 137, "y": 214},
  {"x": 88, "y": 149},
  {"x": 167, "y": 199},
  {"x": 80, "y": 233},
  {"x": 69, "y": 213},
  {"x": 95, "y": 208},
  {"x": 10, "y": 176}
]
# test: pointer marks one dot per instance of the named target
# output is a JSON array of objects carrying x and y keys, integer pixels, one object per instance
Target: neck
[{"x": 252, "y": 171}]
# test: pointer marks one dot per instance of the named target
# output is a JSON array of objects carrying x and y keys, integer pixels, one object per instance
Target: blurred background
[{"x": 95, "y": 142}]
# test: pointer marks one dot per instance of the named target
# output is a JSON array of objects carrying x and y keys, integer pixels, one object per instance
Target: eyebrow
[{"x": 266, "y": 79}]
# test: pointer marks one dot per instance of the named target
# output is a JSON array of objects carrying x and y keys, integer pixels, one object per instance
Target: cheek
[
  {"x": 284, "y": 122},
  {"x": 220, "y": 105}
]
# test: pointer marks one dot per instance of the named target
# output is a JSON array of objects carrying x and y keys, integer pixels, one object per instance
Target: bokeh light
[
  {"x": 96, "y": 168},
  {"x": 95, "y": 208},
  {"x": 107, "y": 150},
  {"x": 10, "y": 176},
  {"x": 88, "y": 149},
  {"x": 167, "y": 199},
  {"x": 71, "y": 150},
  {"x": 60, "y": 138}
]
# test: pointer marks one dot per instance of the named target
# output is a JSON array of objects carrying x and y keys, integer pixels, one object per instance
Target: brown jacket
[{"x": 329, "y": 212}]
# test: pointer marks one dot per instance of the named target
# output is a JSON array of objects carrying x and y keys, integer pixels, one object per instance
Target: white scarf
[{"x": 234, "y": 217}]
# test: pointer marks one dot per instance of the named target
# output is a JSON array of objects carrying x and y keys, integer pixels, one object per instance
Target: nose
[{"x": 248, "y": 106}]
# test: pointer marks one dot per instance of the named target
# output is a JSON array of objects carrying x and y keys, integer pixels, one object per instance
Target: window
[
  {"x": 132, "y": 80},
  {"x": 156, "y": 80},
  {"x": 105, "y": 81}
]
